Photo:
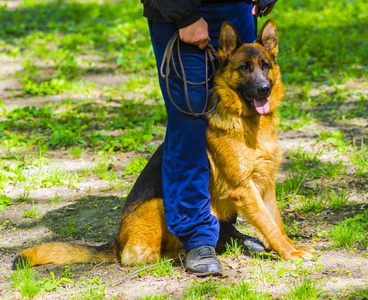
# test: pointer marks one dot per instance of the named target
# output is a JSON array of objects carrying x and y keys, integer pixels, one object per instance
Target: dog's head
[{"x": 250, "y": 70}]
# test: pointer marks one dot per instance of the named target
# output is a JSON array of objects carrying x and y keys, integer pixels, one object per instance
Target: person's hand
[
  {"x": 196, "y": 34},
  {"x": 255, "y": 10}
]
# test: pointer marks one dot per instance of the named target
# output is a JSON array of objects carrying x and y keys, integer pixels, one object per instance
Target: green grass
[
  {"x": 4, "y": 202},
  {"x": 242, "y": 290},
  {"x": 359, "y": 157},
  {"x": 211, "y": 289},
  {"x": 76, "y": 151},
  {"x": 289, "y": 188},
  {"x": 69, "y": 228},
  {"x": 324, "y": 44},
  {"x": 94, "y": 291},
  {"x": 136, "y": 166},
  {"x": 233, "y": 249},
  {"x": 31, "y": 213},
  {"x": 202, "y": 290},
  {"x": 160, "y": 268},
  {"x": 305, "y": 289},
  {"x": 351, "y": 231},
  {"x": 337, "y": 199},
  {"x": 359, "y": 294},
  {"x": 25, "y": 282}
]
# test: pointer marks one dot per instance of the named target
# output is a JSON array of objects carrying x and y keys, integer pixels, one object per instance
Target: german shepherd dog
[{"x": 244, "y": 156}]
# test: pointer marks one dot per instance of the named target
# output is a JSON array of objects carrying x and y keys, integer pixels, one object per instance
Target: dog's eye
[
  {"x": 265, "y": 66},
  {"x": 246, "y": 67}
]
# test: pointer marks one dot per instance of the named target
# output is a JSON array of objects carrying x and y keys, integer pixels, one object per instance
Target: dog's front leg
[
  {"x": 250, "y": 204},
  {"x": 270, "y": 202}
]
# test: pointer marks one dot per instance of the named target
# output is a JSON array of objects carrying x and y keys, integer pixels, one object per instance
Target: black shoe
[
  {"x": 251, "y": 244},
  {"x": 202, "y": 261}
]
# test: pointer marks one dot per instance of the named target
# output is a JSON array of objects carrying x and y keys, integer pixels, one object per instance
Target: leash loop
[{"x": 168, "y": 60}]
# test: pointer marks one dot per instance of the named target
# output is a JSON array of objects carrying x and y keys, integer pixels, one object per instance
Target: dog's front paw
[
  {"x": 305, "y": 248},
  {"x": 293, "y": 255}
]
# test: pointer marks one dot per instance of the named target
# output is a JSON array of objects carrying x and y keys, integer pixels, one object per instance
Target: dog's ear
[
  {"x": 229, "y": 41},
  {"x": 268, "y": 37}
]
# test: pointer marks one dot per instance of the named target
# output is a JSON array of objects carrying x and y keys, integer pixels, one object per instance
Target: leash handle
[
  {"x": 168, "y": 59},
  {"x": 263, "y": 4}
]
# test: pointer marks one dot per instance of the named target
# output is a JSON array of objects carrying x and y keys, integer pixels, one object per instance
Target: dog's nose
[{"x": 264, "y": 89}]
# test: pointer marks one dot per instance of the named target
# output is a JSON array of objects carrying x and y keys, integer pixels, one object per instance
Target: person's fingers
[
  {"x": 255, "y": 10},
  {"x": 203, "y": 45},
  {"x": 269, "y": 9},
  {"x": 196, "y": 33}
]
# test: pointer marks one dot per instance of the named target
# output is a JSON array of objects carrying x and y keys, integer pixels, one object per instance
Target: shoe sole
[{"x": 206, "y": 274}]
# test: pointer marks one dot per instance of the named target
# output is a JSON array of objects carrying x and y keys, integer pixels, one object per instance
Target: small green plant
[
  {"x": 56, "y": 177},
  {"x": 4, "y": 202},
  {"x": 136, "y": 166},
  {"x": 290, "y": 187},
  {"x": 68, "y": 272},
  {"x": 69, "y": 228},
  {"x": 332, "y": 169},
  {"x": 31, "y": 213},
  {"x": 291, "y": 227},
  {"x": 101, "y": 167},
  {"x": 160, "y": 268},
  {"x": 105, "y": 170},
  {"x": 233, "y": 249},
  {"x": 202, "y": 290},
  {"x": 64, "y": 135},
  {"x": 93, "y": 292},
  {"x": 359, "y": 157},
  {"x": 52, "y": 284},
  {"x": 52, "y": 87},
  {"x": 296, "y": 271},
  {"x": 163, "y": 268},
  {"x": 305, "y": 289},
  {"x": 76, "y": 151},
  {"x": 244, "y": 290},
  {"x": 360, "y": 294},
  {"x": 335, "y": 137},
  {"x": 56, "y": 200},
  {"x": 24, "y": 281},
  {"x": 311, "y": 203},
  {"x": 23, "y": 196},
  {"x": 336, "y": 200},
  {"x": 351, "y": 231},
  {"x": 67, "y": 66}
]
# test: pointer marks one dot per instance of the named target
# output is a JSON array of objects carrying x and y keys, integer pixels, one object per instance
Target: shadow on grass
[{"x": 91, "y": 219}]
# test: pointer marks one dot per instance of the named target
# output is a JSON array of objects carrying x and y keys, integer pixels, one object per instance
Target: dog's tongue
[{"x": 262, "y": 106}]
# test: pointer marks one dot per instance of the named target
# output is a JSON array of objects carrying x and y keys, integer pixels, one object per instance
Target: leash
[{"x": 168, "y": 59}]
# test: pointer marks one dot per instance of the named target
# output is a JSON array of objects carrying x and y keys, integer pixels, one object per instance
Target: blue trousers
[{"x": 185, "y": 168}]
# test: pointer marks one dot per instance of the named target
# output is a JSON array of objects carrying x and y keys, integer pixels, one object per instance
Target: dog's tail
[{"x": 65, "y": 253}]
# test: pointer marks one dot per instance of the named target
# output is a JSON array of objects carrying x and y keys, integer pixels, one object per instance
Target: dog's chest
[{"x": 235, "y": 160}]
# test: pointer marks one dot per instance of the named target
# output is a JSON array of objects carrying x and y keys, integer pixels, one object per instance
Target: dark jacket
[{"x": 180, "y": 12}]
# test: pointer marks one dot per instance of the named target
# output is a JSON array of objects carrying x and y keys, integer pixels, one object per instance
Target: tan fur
[
  {"x": 244, "y": 157},
  {"x": 64, "y": 253},
  {"x": 143, "y": 235}
]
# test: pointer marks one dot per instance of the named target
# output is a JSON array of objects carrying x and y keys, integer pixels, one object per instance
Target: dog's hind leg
[{"x": 143, "y": 235}]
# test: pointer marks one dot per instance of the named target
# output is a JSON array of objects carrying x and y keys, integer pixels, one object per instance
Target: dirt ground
[{"x": 95, "y": 207}]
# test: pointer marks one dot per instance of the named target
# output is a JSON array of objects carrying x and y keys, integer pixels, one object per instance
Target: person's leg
[{"x": 185, "y": 169}]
